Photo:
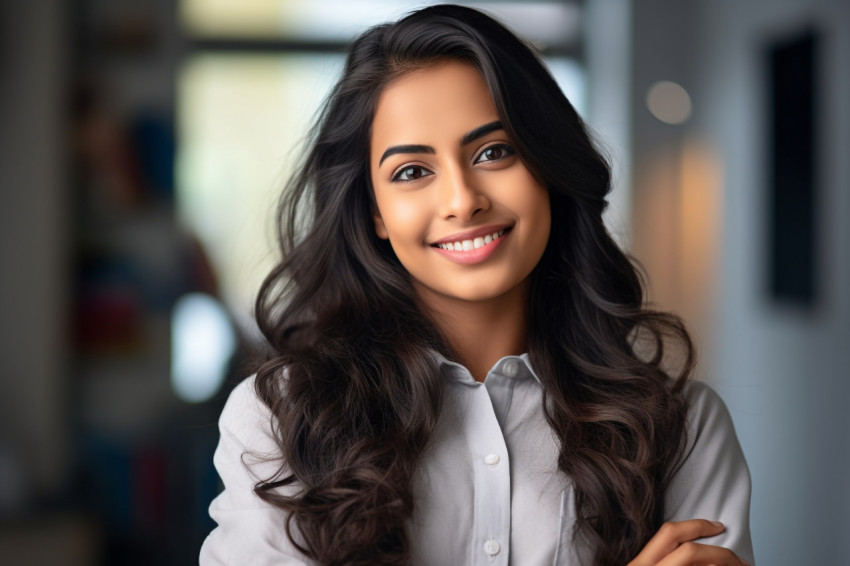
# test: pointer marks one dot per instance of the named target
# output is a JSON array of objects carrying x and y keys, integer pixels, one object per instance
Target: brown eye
[
  {"x": 410, "y": 173},
  {"x": 495, "y": 153}
]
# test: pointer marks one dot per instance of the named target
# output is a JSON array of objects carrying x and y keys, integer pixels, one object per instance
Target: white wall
[
  {"x": 607, "y": 50},
  {"x": 784, "y": 372}
]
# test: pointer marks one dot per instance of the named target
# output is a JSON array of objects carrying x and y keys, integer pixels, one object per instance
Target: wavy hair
[{"x": 352, "y": 383}]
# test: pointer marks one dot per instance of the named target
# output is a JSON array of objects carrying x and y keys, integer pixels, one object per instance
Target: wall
[
  {"x": 607, "y": 54},
  {"x": 782, "y": 370},
  {"x": 33, "y": 250}
]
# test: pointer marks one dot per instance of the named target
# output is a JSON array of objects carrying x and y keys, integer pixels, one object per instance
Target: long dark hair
[{"x": 353, "y": 385}]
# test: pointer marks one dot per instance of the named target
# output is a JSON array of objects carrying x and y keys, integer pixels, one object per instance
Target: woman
[{"x": 463, "y": 368}]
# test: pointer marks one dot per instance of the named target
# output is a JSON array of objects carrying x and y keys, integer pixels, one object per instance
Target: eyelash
[
  {"x": 507, "y": 150},
  {"x": 396, "y": 177}
]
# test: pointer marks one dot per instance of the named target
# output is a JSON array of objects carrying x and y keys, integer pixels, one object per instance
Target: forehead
[{"x": 440, "y": 101}]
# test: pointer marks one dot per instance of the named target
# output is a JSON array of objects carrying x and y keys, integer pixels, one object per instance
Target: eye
[
  {"x": 410, "y": 173},
  {"x": 495, "y": 152}
]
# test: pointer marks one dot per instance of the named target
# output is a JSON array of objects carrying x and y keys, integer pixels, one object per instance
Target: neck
[{"x": 481, "y": 332}]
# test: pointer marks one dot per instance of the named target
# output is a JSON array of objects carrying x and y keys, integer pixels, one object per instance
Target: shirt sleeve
[
  {"x": 713, "y": 481},
  {"x": 249, "y": 531}
]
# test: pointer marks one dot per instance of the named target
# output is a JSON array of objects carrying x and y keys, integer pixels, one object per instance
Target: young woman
[{"x": 464, "y": 370}]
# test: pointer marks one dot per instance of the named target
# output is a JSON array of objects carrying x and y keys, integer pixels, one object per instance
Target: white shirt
[{"x": 489, "y": 491}]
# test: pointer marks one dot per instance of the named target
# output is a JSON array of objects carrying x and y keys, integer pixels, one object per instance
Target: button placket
[{"x": 492, "y": 493}]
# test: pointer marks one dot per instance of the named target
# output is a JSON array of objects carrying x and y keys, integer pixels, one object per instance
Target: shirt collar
[{"x": 513, "y": 367}]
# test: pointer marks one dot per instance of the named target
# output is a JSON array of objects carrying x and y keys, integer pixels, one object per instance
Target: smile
[
  {"x": 474, "y": 248},
  {"x": 473, "y": 244}
]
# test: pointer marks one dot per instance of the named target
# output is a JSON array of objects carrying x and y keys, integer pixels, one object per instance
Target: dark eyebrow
[
  {"x": 405, "y": 149},
  {"x": 481, "y": 131},
  {"x": 478, "y": 132}
]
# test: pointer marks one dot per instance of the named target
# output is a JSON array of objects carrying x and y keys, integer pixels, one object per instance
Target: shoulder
[
  {"x": 703, "y": 402},
  {"x": 250, "y": 530},
  {"x": 244, "y": 411},
  {"x": 708, "y": 417},
  {"x": 247, "y": 429}
]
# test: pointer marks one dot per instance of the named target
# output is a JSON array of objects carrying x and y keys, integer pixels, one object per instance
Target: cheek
[
  {"x": 402, "y": 217},
  {"x": 532, "y": 202},
  {"x": 538, "y": 211}
]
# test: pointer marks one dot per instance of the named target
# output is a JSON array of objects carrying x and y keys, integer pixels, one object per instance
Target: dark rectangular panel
[{"x": 792, "y": 194}]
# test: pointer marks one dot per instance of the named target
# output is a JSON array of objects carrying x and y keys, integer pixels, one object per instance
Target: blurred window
[
  {"x": 552, "y": 22},
  {"x": 241, "y": 118}
]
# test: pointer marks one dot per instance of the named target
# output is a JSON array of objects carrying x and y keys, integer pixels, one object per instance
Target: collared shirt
[{"x": 488, "y": 491}]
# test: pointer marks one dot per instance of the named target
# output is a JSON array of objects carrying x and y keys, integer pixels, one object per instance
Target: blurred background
[{"x": 143, "y": 143}]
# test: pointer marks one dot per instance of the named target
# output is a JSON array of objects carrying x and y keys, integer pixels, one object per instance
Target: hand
[{"x": 673, "y": 545}]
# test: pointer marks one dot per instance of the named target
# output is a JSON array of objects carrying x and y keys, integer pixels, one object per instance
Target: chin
[{"x": 481, "y": 293}]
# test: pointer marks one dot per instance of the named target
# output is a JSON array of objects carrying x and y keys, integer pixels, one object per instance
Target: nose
[{"x": 460, "y": 198}]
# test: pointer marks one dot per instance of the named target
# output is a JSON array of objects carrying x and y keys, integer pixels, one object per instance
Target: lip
[
  {"x": 476, "y": 255},
  {"x": 472, "y": 234}
]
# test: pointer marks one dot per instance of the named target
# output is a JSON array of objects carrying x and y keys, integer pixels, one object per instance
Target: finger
[
  {"x": 695, "y": 554},
  {"x": 672, "y": 534}
]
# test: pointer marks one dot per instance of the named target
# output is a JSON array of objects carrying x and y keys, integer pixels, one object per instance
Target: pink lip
[
  {"x": 476, "y": 255},
  {"x": 472, "y": 234}
]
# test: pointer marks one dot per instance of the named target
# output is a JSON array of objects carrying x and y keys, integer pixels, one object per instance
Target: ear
[{"x": 380, "y": 227}]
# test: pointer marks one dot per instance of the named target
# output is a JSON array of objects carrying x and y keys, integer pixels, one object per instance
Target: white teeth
[{"x": 467, "y": 245}]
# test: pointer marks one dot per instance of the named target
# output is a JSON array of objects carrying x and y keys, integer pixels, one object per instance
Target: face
[{"x": 463, "y": 214}]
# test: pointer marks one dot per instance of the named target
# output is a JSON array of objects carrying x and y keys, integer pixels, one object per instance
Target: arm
[
  {"x": 713, "y": 481},
  {"x": 249, "y": 531},
  {"x": 708, "y": 499}
]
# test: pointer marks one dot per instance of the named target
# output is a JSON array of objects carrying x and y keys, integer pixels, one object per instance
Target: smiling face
[{"x": 463, "y": 214}]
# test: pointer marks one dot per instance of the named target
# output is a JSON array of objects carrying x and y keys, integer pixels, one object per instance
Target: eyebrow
[
  {"x": 406, "y": 149},
  {"x": 469, "y": 137},
  {"x": 480, "y": 132}
]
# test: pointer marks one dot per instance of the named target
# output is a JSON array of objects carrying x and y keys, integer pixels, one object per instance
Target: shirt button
[
  {"x": 491, "y": 459},
  {"x": 492, "y": 547},
  {"x": 510, "y": 368}
]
